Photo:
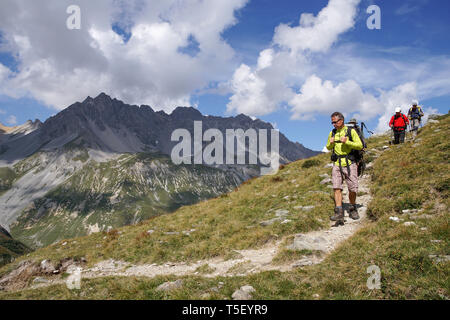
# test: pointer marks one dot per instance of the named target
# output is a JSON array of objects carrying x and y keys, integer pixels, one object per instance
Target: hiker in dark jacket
[
  {"x": 399, "y": 122},
  {"x": 415, "y": 114}
]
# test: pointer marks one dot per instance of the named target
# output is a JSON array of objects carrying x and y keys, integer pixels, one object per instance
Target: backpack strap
[
  {"x": 349, "y": 133},
  {"x": 404, "y": 120}
]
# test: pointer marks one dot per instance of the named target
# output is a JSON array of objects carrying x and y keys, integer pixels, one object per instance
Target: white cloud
[
  {"x": 12, "y": 120},
  {"x": 301, "y": 73},
  {"x": 400, "y": 96},
  {"x": 262, "y": 89},
  {"x": 385, "y": 68},
  {"x": 323, "y": 97},
  {"x": 59, "y": 66},
  {"x": 320, "y": 32},
  {"x": 4, "y": 74},
  {"x": 317, "y": 96}
]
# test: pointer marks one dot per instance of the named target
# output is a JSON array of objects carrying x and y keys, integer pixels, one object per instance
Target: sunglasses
[{"x": 334, "y": 122}]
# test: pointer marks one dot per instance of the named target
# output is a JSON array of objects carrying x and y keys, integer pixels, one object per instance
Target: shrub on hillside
[{"x": 310, "y": 163}]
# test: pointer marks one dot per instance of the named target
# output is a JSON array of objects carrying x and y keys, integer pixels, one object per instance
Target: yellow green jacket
[{"x": 342, "y": 149}]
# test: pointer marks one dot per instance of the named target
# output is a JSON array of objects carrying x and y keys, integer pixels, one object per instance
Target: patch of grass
[
  {"x": 7, "y": 177},
  {"x": 288, "y": 256},
  {"x": 232, "y": 255},
  {"x": 221, "y": 225},
  {"x": 205, "y": 269},
  {"x": 240, "y": 268},
  {"x": 310, "y": 163}
]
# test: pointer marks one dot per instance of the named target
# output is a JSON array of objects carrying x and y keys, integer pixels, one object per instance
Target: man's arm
[
  {"x": 356, "y": 143},
  {"x": 329, "y": 144}
]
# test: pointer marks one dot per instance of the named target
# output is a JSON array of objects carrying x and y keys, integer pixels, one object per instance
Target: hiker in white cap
[
  {"x": 399, "y": 122},
  {"x": 415, "y": 114}
]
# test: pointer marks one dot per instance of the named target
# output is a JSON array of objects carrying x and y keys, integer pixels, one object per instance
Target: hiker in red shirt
[{"x": 399, "y": 122}]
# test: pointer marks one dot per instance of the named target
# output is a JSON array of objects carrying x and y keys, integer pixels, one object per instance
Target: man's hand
[
  {"x": 344, "y": 140},
  {"x": 332, "y": 140}
]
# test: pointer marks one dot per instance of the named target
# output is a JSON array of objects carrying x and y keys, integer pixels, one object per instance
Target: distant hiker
[
  {"x": 415, "y": 114},
  {"x": 359, "y": 154},
  {"x": 354, "y": 124},
  {"x": 344, "y": 141},
  {"x": 399, "y": 122}
]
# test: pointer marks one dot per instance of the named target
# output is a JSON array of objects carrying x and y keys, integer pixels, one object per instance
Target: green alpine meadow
[{"x": 406, "y": 235}]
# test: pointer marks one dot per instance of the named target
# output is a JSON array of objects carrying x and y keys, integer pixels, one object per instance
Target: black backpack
[{"x": 356, "y": 156}]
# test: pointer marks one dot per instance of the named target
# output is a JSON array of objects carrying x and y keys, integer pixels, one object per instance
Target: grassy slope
[
  {"x": 7, "y": 177},
  {"x": 84, "y": 200},
  {"x": 10, "y": 249},
  {"x": 403, "y": 178}
]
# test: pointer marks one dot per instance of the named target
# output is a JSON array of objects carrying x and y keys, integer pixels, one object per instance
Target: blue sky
[{"x": 209, "y": 57}]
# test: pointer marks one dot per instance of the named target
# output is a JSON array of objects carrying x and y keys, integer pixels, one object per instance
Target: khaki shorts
[
  {"x": 415, "y": 123},
  {"x": 352, "y": 181}
]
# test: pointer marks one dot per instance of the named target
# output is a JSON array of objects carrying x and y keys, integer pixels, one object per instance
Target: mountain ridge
[
  {"x": 107, "y": 124},
  {"x": 95, "y": 161}
]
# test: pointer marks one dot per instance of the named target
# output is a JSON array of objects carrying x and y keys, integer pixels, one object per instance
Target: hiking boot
[
  {"x": 353, "y": 212},
  {"x": 338, "y": 214}
]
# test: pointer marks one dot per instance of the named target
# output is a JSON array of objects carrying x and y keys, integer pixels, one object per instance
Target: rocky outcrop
[
  {"x": 26, "y": 270},
  {"x": 107, "y": 124}
]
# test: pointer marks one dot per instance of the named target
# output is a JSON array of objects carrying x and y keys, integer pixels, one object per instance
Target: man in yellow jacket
[{"x": 343, "y": 142}]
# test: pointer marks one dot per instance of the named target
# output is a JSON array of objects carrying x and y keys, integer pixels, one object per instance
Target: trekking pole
[{"x": 363, "y": 125}]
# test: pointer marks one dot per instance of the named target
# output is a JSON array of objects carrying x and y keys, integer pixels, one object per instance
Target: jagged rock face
[
  {"x": 102, "y": 164},
  {"x": 110, "y": 125}
]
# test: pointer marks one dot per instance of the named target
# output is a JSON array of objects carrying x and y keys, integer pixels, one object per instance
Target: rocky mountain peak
[
  {"x": 110, "y": 125},
  {"x": 186, "y": 113}
]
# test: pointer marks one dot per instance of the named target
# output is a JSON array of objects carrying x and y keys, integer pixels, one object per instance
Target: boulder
[
  {"x": 281, "y": 213},
  {"x": 169, "y": 286},
  {"x": 439, "y": 258},
  {"x": 40, "y": 280},
  {"x": 270, "y": 222},
  {"x": 244, "y": 293},
  {"x": 409, "y": 224},
  {"x": 47, "y": 267},
  {"x": 303, "y": 262}
]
